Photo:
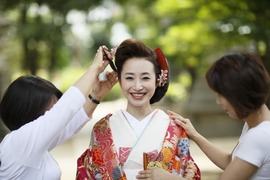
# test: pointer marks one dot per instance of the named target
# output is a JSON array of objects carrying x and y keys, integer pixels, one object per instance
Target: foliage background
[{"x": 57, "y": 39}]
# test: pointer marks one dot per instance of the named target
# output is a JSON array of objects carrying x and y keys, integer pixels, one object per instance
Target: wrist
[
  {"x": 96, "y": 96},
  {"x": 196, "y": 137},
  {"x": 94, "y": 70},
  {"x": 93, "y": 99}
]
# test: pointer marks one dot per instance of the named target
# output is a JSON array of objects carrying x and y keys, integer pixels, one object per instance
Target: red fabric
[{"x": 83, "y": 166}]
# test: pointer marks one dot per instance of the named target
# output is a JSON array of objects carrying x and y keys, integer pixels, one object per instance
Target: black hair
[
  {"x": 134, "y": 48},
  {"x": 242, "y": 79},
  {"x": 26, "y": 98}
]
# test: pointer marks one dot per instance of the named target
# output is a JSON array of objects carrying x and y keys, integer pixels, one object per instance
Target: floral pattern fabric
[
  {"x": 101, "y": 161},
  {"x": 175, "y": 155}
]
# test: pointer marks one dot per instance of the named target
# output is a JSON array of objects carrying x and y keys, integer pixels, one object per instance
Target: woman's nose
[{"x": 138, "y": 86}]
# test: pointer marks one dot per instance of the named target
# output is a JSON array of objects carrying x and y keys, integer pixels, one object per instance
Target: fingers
[
  {"x": 99, "y": 53},
  {"x": 181, "y": 123},
  {"x": 101, "y": 58},
  {"x": 178, "y": 119},
  {"x": 103, "y": 53},
  {"x": 174, "y": 115},
  {"x": 145, "y": 174},
  {"x": 111, "y": 75},
  {"x": 104, "y": 47},
  {"x": 98, "y": 60},
  {"x": 106, "y": 54},
  {"x": 111, "y": 79}
]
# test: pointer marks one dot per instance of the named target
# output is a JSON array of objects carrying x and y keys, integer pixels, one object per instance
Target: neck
[
  {"x": 254, "y": 119},
  {"x": 139, "y": 112}
]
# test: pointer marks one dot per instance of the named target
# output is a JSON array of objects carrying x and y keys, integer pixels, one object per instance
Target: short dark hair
[
  {"x": 242, "y": 79},
  {"x": 26, "y": 98},
  {"x": 131, "y": 48}
]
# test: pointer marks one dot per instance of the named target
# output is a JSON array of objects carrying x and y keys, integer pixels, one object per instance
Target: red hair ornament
[{"x": 164, "y": 68}]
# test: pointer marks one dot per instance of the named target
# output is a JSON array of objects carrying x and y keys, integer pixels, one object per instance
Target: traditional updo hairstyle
[
  {"x": 131, "y": 48},
  {"x": 242, "y": 79}
]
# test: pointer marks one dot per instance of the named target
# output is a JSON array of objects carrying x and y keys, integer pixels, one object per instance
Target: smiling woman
[
  {"x": 138, "y": 84},
  {"x": 119, "y": 141}
]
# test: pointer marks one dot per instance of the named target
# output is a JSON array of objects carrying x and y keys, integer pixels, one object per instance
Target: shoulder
[
  {"x": 259, "y": 133},
  {"x": 257, "y": 139}
]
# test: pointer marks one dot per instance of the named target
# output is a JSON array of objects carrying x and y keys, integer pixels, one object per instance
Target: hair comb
[
  {"x": 110, "y": 60},
  {"x": 162, "y": 59}
]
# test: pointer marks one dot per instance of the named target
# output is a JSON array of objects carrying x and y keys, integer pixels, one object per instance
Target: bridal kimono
[{"x": 115, "y": 152}]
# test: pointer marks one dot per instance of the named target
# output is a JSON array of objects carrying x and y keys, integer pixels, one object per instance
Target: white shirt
[
  {"x": 24, "y": 153},
  {"x": 254, "y": 147}
]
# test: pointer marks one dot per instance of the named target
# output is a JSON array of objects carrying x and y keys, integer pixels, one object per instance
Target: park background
[{"x": 57, "y": 40}]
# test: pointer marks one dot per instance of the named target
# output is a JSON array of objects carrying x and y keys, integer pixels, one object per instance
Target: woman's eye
[
  {"x": 146, "y": 78},
  {"x": 129, "y": 78}
]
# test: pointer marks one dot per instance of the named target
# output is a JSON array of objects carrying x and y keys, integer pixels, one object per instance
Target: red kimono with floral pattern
[{"x": 102, "y": 161}]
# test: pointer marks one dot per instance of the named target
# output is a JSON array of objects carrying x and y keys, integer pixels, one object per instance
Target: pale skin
[
  {"x": 89, "y": 82},
  {"x": 236, "y": 169},
  {"x": 155, "y": 173},
  {"x": 138, "y": 84}
]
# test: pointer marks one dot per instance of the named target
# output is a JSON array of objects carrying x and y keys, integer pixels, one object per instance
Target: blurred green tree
[
  {"x": 40, "y": 26},
  {"x": 191, "y": 33},
  {"x": 194, "y": 33}
]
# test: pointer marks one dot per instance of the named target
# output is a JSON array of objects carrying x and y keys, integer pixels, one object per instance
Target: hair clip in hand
[{"x": 110, "y": 60}]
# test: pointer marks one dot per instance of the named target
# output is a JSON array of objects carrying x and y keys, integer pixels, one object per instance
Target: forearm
[
  {"x": 89, "y": 107},
  {"x": 155, "y": 173},
  {"x": 99, "y": 90},
  {"x": 218, "y": 157},
  {"x": 72, "y": 128},
  {"x": 40, "y": 135},
  {"x": 87, "y": 80}
]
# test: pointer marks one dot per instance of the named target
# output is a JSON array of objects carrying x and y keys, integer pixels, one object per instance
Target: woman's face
[
  {"x": 138, "y": 81},
  {"x": 226, "y": 106}
]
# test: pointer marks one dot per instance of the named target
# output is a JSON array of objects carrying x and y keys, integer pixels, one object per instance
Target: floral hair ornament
[{"x": 164, "y": 68}]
